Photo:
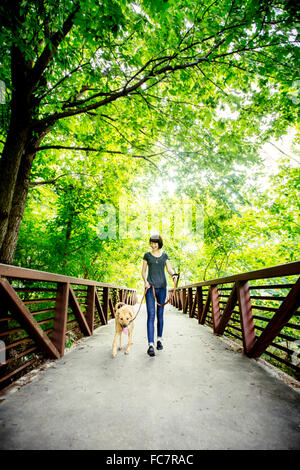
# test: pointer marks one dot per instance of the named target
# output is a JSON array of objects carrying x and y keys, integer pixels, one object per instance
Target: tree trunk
[
  {"x": 18, "y": 137},
  {"x": 19, "y": 196},
  {"x": 9, "y": 168},
  {"x": 20, "y": 146},
  {"x": 8, "y": 247}
]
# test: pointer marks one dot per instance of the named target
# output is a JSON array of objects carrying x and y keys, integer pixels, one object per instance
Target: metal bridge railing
[
  {"x": 258, "y": 309},
  {"x": 41, "y": 312}
]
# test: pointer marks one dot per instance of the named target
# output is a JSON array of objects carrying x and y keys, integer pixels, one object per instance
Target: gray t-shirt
[{"x": 156, "y": 269}]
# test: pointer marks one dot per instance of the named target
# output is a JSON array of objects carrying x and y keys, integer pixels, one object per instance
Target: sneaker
[
  {"x": 159, "y": 345},
  {"x": 151, "y": 351}
]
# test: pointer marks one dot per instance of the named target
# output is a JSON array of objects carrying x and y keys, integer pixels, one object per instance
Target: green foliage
[{"x": 154, "y": 93}]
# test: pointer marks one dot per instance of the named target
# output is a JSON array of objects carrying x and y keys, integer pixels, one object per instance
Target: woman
[{"x": 156, "y": 261}]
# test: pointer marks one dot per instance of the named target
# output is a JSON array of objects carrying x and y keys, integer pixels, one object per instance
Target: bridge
[{"x": 209, "y": 388}]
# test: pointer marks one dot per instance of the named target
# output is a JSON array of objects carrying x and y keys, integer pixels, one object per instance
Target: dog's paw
[
  {"x": 120, "y": 348},
  {"x": 114, "y": 353},
  {"x": 127, "y": 351}
]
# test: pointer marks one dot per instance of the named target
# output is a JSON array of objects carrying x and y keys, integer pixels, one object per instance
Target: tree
[{"x": 67, "y": 59}]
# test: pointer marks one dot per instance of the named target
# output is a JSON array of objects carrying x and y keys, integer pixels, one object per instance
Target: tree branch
[
  {"x": 49, "y": 51},
  {"x": 210, "y": 80},
  {"x": 154, "y": 73},
  {"x": 80, "y": 66},
  {"x": 284, "y": 153},
  {"x": 39, "y": 183},
  {"x": 126, "y": 91},
  {"x": 91, "y": 149}
]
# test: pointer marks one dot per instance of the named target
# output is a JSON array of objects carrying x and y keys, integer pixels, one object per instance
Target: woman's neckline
[{"x": 155, "y": 256}]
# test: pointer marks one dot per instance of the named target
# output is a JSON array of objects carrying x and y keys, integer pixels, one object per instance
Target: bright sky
[{"x": 270, "y": 154}]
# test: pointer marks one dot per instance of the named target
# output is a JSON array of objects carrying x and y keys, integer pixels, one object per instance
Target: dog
[{"x": 124, "y": 324}]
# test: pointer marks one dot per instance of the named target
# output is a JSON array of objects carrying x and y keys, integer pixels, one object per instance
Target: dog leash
[
  {"x": 146, "y": 288},
  {"x": 171, "y": 296},
  {"x": 153, "y": 290}
]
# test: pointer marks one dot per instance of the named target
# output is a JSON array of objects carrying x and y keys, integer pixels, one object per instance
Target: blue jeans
[{"x": 160, "y": 294}]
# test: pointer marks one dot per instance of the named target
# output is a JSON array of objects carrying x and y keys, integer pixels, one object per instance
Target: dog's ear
[
  {"x": 119, "y": 304},
  {"x": 131, "y": 313}
]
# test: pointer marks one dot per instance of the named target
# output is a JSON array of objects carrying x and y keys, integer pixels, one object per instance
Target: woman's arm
[
  {"x": 144, "y": 273},
  {"x": 169, "y": 268}
]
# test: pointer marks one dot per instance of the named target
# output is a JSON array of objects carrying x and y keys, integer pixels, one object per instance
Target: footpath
[{"x": 197, "y": 393}]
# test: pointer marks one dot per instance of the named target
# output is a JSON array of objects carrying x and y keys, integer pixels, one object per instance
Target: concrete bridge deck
[{"x": 198, "y": 393}]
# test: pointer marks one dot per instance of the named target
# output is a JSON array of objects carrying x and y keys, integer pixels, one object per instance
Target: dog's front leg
[
  {"x": 114, "y": 345},
  {"x": 129, "y": 341},
  {"x": 120, "y": 346}
]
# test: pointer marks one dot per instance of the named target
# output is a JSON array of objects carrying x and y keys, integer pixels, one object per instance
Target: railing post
[
  {"x": 60, "y": 317},
  {"x": 183, "y": 299},
  {"x": 190, "y": 297},
  {"x": 247, "y": 323},
  {"x": 90, "y": 309},
  {"x": 186, "y": 303},
  {"x": 215, "y": 307},
  {"x": 180, "y": 299},
  {"x": 177, "y": 298},
  {"x": 199, "y": 302},
  {"x": 173, "y": 295},
  {"x": 105, "y": 303}
]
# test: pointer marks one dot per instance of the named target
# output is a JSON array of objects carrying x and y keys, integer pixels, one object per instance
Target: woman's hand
[{"x": 147, "y": 285}]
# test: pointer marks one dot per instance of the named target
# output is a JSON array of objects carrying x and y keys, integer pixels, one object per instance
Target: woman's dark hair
[{"x": 156, "y": 239}]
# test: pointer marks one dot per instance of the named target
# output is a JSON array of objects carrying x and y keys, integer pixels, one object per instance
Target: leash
[
  {"x": 123, "y": 303},
  {"x": 173, "y": 292},
  {"x": 146, "y": 288},
  {"x": 153, "y": 290}
]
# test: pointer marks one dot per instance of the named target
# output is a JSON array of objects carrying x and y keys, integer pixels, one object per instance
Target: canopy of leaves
[{"x": 178, "y": 92}]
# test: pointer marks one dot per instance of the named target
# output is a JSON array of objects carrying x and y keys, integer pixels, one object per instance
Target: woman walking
[{"x": 156, "y": 261}]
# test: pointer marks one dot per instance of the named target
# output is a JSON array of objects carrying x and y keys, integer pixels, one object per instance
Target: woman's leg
[
  {"x": 150, "y": 303},
  {"x": 161, "y": 295}
]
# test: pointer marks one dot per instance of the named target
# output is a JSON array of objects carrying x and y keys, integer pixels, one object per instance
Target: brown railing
[
  {"x": 258, "y": 309},
  {"x": 41, "y": 313}
]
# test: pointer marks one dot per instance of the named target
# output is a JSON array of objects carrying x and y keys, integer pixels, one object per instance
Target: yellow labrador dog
[{"x": 124, "y": 324}]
